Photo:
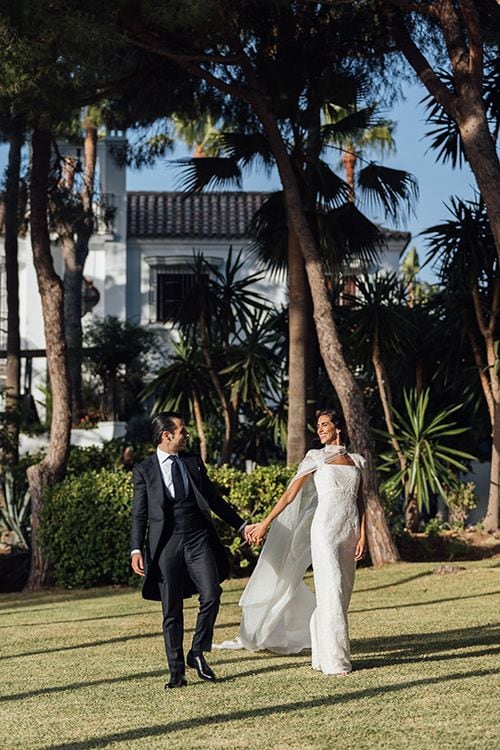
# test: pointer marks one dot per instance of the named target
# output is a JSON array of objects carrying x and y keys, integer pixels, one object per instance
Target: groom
[{"x": 183, "y": 555}]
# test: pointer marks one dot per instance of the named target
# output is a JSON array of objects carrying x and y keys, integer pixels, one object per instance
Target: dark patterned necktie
[{"x": 179, "y": 491}]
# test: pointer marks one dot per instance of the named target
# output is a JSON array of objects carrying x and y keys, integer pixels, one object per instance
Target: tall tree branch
[
  {"x": 476, "y": 52},
  {"x": 454, "y": 38},
  {"x": 417, "y": 60}
]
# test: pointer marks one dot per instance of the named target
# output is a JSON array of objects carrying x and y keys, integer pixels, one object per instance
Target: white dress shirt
[{"x": 166, "y": 473}]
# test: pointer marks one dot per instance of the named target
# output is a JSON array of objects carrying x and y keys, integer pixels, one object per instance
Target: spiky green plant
[{"x": 426, "y": 440}]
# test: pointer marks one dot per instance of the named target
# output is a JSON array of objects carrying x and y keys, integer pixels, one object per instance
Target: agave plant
[
  {"x": 16, "y": 514},
  {"x": 426, "y": 440}
]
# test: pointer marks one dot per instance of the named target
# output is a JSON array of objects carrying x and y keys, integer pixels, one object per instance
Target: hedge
[
  {"x": 86, "y": 522},
  {"x": 86, "y": 528}
]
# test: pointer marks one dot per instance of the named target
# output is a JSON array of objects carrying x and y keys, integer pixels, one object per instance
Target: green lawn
[{"x": 85, "y": 669}]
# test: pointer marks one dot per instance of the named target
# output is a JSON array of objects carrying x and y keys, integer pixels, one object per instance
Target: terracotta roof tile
[{"x": 203, "y": 215}]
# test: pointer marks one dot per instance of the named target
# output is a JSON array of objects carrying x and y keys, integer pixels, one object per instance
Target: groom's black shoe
[
  {"x": 176, "y": 681},
  {"x": 197, "y": 661}
]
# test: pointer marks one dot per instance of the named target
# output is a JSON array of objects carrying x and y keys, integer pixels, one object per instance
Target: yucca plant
[
  {"x": 432, "y": 464},
  {"x": 16, "y": 514}
]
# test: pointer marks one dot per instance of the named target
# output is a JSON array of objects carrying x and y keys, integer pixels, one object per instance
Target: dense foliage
[
  {"x": 85, "y": 529},
  {"x": 86, "y": 522}
]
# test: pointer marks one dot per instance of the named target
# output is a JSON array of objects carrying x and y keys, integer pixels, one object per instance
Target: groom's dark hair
[{"x": 163, "y": 422}]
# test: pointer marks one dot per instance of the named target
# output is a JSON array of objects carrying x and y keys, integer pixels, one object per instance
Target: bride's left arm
[
  {"x": 257, "y": 531},
  {"x": 361, "y": 544}
]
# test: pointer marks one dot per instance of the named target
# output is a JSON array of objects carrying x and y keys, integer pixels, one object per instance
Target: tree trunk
[
  {"x": 491, "y": 518},
  {"x": 382, "y": 547},
  {"x": 75, "y": 254},
  {"x": 72, "y": 315},
  {"x": 384, "y": 390},
  {"x": 481, "y": 154},
  {"x": 313, "y": 360},
  {"x": 199, "y": 424},
  {"x": 465, "y": 105},
  {"x": 10, "y": 450},
  {"x": 491, "y": 389},
  {"x": 225, "y": 404},
  {"x": 349, "y": 163},
  {"x": 297, "y": 352},
  {"x": 52, "y": 467},
  {"x": 412, "y": 515}
]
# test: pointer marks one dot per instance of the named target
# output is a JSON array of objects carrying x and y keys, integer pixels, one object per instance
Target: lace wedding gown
[
  {"x": 334, "y": 534},
  {"x": 279, "y": 611}
]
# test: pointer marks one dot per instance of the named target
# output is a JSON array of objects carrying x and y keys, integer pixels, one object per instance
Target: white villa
[{"x": 140, "y": 262}]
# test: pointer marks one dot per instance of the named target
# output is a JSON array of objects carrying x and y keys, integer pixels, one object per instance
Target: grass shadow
[
  {"x": 94, "y": 644},
  {"x": 420, "y": 644},
  {"x": 257, "y": 713},
  {"x": 394, "y": 583},
  {"x": 429, "y": 602},
  {"x": 58, "y": 597},
  {"x": 82, "y": 619}
]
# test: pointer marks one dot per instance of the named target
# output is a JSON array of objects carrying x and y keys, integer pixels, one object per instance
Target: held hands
[{"x": 255, "y": 533}]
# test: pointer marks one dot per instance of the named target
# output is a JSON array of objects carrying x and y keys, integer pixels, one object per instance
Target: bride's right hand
[{"x": 257, "y": 532}]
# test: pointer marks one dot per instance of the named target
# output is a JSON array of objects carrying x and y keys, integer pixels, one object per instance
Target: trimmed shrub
[
  {"x": 86, "y": 522},
  {"x": 107, "y": 456},
  {"x": 86, "y": 529},
  {"x": 252, "y": 495}
]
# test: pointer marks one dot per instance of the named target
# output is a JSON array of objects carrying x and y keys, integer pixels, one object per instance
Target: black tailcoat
[{"x": 152, "y": 518}]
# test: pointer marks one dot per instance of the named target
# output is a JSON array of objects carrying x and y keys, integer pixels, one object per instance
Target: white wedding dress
[{"x": 279, "y": 611}]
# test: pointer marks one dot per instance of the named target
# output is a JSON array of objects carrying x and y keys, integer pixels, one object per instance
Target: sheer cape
[{"x": 276, "y": 604}]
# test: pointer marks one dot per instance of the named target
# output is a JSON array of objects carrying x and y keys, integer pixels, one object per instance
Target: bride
[{"x": 319, "y": 519}]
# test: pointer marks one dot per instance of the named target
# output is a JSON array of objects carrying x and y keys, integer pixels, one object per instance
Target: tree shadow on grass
[
  {"x": 39, "y": 623},
  {"x": 94, "y": 644},
  {"x": 137, "y": 676},
  {"x": 394, "y": 583},
  {"x": 58, "y": 597},
  {"x": 426, "y": 647},
  {"x": 424, "y": 603},
  {"x": 361, "y": 664},
  {"x": 158, "y": 730}
]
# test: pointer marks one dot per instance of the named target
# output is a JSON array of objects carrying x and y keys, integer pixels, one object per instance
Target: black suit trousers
[{"x": 191, "y": 552}]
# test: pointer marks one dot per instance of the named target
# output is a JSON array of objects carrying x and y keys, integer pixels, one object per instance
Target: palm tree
[
  {"x": 380, "y": 331},
  {"x": 377, "y": 137},
  {"x": 464, "y": 250},
  {"x": 183, "y": 385},
  {"x": 13, "y": 131},
  {"x": 197, "y": 133},
  {"x": 212, "y": 314},
  {"x": 343, "y": 232},
  {"x": 279, "y": 66}
]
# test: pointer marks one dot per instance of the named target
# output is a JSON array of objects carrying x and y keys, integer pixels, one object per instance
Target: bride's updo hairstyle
[{"x": 339, "y": 423}]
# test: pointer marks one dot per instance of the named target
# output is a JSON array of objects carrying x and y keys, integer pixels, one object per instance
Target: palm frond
[
  {"x": 209, "y": 171},
  {"x": 349, "y": 125},
  {"x": 345, "y": 233},
  {"x": 331, "y": 188},
  {"x": 246, "y": 149},
  {"x": 395, "y": 190},
  {"x": 463, "y": 246},
  {"x": 269, "y": 233}
]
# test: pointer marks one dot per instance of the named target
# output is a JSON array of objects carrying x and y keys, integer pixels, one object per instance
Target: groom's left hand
[{"x": 247, "y": 533}]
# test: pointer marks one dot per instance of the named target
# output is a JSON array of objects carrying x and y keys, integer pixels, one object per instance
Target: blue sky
[{"x": 436, "y": 181}]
